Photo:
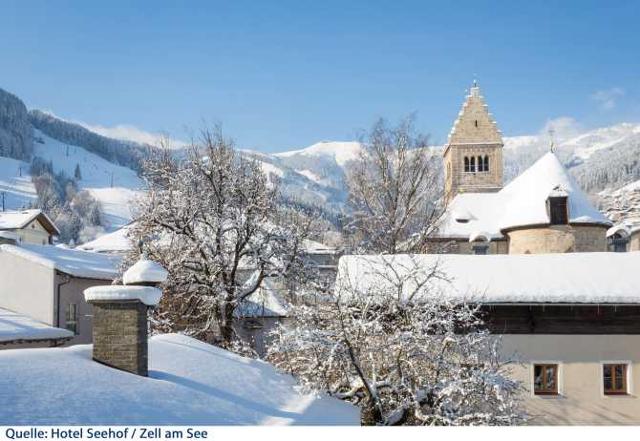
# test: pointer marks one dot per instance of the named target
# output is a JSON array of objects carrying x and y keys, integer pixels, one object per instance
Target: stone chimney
[{"x": 120, "y": 336}]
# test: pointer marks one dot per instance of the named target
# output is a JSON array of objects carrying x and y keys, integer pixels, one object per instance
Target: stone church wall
[{"x": 558, "y": 239}]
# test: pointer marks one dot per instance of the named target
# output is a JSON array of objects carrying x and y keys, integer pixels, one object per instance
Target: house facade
[
  {"x": 46, "y": 283},
  {"x": 27, "y": 226},
  {"x": 541, "y": 211},
  {"x": 568, "y": 323}
]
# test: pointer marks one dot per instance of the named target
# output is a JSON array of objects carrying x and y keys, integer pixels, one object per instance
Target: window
[
  {"x": 486, "y": 163},
  {"x": 476, "y": 122},
  {"x": 619, "y": 243},
  {"x": 71, "y": 318},
  {"x": 480, "y": 164},
  {"x": 467, "y": 169},
  {"x": 545, "y": 379},
  {"x": 614, "y": 377},
  {"x": 472, "y": 164},
  {"x": 480, "y": 248},
  {"x": 558, "y": 210}
]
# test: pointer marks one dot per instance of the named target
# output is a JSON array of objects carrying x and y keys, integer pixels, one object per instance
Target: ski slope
[{"x": 114, "y": 186}]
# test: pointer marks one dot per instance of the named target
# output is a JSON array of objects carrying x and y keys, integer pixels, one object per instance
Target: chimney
[{"x": 120, "y": 336}]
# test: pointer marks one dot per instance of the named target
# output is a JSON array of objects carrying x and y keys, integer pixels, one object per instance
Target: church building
[{"x": 541, "y": 211}]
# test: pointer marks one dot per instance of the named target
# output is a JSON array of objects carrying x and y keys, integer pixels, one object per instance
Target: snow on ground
[
  {"x": 113, "y": 185},
  {"x": 189, "y": 382},
  {"x": 506, "y": 278},
  {"x": 342, "y": 152},
  {"x": 14, "y": 326},
  {"x": 72, "y": 262},
  {"x": 15, "y": 183}
]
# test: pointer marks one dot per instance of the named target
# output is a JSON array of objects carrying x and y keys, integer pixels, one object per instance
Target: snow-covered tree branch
[
  {"x": 393, "y": 190},
  {"x": 402, "y": 355},
  {"x": 217, "y": 225}
]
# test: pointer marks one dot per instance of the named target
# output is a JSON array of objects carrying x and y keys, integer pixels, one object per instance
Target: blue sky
[{"x": 284, "y": 74}]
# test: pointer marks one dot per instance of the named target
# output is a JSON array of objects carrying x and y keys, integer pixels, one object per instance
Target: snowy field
[{"x": 113, "y": 185}]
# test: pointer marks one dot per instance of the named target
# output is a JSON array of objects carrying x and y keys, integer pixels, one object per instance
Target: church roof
[
  {"x": 521, "y": 203},
  {"x": 475, "y": 125},
  {"x": 527, "y": 195}
]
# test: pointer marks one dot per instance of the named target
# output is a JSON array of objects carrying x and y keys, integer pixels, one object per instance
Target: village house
[
  {"x": 127, "y": 378},
  {"x": 569, "y": 323},
  {"x": 541, "y": 211},
  {"x": 27, "y": 226},
  {"x": 45, "y": 283}
]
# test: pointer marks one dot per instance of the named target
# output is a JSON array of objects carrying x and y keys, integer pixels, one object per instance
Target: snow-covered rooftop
[
  {"x": 522, "y": 202},
  {"x": 16, "y": 327},
  {"x": 115, "y": 242},
  {"x": 266, "y": 301},
  {"x": 501, "y": 278},
  {"x": 11, "y": 220},
  {"x": 189, "y": 382},
  {"x": 73, "y": 262}
]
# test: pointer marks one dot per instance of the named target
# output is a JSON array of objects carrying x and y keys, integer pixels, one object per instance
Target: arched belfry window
[
  {"x": 476, "y": 122},
  {"x": 486, "y": 163},
  {"x": 472, "y": 164},
  {"x": 466, "y": 164}
]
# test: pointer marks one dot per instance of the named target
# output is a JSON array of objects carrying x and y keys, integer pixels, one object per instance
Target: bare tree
[
  {"x": 216, "y": 224},
  {"x": 393, "y": 190},
  {"x": 405, "y": 356}
]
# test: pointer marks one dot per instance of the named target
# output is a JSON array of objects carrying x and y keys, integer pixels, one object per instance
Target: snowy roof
[
  {"x": 115, "y": 242},
  {"x": 148, "y": 295},
  {"x": 12, "y": 220},
  {"x": 523, "y": 202},
  {"x": 502, "y": 278},
  {"x": 16, "y": 327},
  {"x": 73, "y": 262},
  {"x": 145, "y": 271},
  {"x": 190, "y": 382},
  {"x": 526, "y": 196},
  {"x": 314, "y": 247},
  {"x": 266, "y": 301},
  {"x": 621, "y": 229}
]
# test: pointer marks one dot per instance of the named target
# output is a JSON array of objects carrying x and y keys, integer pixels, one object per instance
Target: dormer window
[{"x": 558, "y": 210}]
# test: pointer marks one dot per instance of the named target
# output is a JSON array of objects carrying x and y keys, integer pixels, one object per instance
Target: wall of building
[
  {"x": 27, "y": 287},
  {"x": 463, "y": 246},
  {"x": 558, "y": 239},
  {"x": 72, "y": 291},
  {"x": 459, "y": 181},
  {"x": 634, "y": 241},
  {"x": 33, "y": 233},
  {"x": 580, "y": 357}
]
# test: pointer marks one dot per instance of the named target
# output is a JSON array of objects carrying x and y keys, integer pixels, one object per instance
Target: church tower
[{"x": 473, "y": 153}]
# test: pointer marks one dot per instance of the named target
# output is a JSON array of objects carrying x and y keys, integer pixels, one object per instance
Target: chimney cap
[
  {"x": 144, "y": 271},
  {"x": 148, "y": 295}
]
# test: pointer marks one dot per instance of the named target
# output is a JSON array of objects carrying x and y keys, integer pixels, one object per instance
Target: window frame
[
  {"x": 71, "y": 324},
  {"x": 627, "y": 384},
  {"x": 557, "y": 375}
]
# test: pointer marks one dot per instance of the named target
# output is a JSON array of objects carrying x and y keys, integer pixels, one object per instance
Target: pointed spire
[{"x": 474, "y": 123}]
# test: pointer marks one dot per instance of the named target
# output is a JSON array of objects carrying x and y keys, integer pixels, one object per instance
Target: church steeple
[{"x": 473, "y": 154}]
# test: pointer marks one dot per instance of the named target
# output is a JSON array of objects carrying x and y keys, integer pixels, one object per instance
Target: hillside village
[{"x": 548, "y": 264}]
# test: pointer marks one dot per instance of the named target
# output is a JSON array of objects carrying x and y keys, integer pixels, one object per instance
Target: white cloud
[
  {"x": 563, "y": 128},
  {"x": 607, "y": 98}
]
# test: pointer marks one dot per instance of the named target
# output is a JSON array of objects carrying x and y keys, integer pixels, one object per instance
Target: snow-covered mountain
[{"x": 605, "y": 161}]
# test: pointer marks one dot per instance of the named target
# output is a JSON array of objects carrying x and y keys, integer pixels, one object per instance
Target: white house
[
  {"x": 27, "y": 226},
  {"x": 45, "y": 282},
  {"x": 18, "y": 331}
]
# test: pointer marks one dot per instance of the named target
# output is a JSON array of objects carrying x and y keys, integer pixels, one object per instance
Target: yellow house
[{"x": 27, "y": 226}]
